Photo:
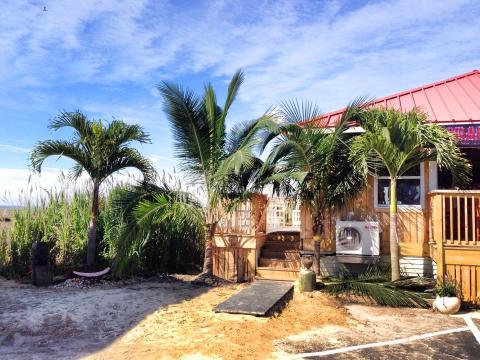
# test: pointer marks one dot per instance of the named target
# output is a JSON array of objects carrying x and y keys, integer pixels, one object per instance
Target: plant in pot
[{"x": 447, "y": 299}]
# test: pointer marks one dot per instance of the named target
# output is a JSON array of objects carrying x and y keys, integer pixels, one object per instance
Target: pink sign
[{"x": 467, "y": 135}]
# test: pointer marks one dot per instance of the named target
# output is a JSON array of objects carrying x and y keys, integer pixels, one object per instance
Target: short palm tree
[
  {"x": 150, "y": 210},
  {"x": 398, "y": 142},
  {"x": 100, "y": 150},
  {"x": 310, "y": 162},
  {"x": 221, "y": 163}
]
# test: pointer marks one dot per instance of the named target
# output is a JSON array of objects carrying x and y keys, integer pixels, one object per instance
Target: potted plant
[{"x": 447, "y": 299}]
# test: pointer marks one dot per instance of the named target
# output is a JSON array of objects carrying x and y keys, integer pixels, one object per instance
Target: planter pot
[
  {"x": 447, "y": 305},
  {"x": 307, "y": 261}
]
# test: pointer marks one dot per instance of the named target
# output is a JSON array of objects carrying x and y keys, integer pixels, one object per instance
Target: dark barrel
[
  {"x": 39, "y": 253},
  {"x": 41, "y": 273}
]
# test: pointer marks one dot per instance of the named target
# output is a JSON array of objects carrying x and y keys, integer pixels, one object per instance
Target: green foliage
[
  {"x": 309, "y": 162},
  {"x": 222, "y": 163},
  {"x": 374, "y": 285},
  {"x": 97, "y": 147},
  {"x": 61, "y": 219},
  {"x": 447, "y": 287},
  {"x": 164, "y": 230},
  {"x": 398, "y": 142}
]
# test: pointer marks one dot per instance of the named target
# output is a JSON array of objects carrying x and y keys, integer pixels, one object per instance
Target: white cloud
[
  {"x": 329, "y": 52},
  {"x": 15, "y": 149}
]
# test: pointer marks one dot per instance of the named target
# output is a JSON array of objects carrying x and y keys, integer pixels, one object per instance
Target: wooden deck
[{"x": 455, "y": 239}]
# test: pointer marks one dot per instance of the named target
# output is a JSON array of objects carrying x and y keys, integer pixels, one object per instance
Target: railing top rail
[{"x": 454, "y": 192}]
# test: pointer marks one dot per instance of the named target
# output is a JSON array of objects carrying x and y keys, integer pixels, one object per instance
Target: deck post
[{"x": 437, "y": 219}]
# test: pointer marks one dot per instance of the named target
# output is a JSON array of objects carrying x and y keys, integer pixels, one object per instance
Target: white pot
[{"x": 447, "y": 305}]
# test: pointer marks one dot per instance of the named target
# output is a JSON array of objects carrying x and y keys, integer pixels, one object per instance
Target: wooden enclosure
[
  {"x": 455, "y": 238},
  {"x": 238, "y": 240}
]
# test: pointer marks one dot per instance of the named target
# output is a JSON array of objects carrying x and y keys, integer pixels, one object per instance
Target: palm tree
[
  {"x": 310, "y": 162},
  {"x": 100, "y": 150},
  {"x": 398, "y": 142},
  {"x": 221, "y": 163}
]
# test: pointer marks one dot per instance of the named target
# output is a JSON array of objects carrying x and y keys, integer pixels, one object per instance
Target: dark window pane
[
  {"x": 415, "y": 171},
  {"x": 408, "y": 192},
  {"x": 383, "y": 191}
]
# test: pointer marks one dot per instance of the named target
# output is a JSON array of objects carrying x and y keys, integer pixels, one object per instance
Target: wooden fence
[
  {"x": 454, "y": 229},
  {"x": 239, "y": 237}
]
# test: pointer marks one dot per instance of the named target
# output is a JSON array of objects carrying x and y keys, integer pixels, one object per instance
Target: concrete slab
[
  {"x": 261, "y": 298},
  {"x": 458, "y": 346}
]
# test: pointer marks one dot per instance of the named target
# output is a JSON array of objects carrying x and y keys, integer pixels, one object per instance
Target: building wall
[{"x": 412, "y": 222}]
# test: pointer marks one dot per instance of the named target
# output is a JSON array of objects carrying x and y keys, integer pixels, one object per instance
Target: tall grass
[{"x": 61, "y": 217}]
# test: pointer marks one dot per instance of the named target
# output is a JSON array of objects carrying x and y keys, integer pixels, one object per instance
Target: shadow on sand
[{"x": 70, "y": 323}]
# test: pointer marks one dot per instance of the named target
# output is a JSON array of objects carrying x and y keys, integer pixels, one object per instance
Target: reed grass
[{"x": 60, "y": 217}]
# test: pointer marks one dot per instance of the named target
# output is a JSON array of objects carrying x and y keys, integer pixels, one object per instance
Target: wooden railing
[
  {"x": 239, "y": 221},
  {"x": 455, "y": 217},
  {"x": 454, "y": 227}
]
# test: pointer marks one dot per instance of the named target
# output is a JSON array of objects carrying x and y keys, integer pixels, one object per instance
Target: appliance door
[{"x": 349, "y": 240}]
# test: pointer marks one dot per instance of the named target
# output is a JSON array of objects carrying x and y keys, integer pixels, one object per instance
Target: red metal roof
[{"x": 454, "y": 100}]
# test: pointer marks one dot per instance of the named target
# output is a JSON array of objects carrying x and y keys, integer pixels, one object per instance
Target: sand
[
  {"x": 174, "y": 320},
  {"x": 147, "y": 320}
]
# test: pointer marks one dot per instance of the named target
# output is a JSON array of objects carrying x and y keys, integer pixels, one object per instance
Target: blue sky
[{"x": 105, "y": 58}]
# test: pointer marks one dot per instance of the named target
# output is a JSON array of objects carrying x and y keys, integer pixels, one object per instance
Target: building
[{"x": 439, "y": 227}]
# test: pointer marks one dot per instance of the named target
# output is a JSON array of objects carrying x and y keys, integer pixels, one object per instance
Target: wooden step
[
  {"x": 284, "y": 237},
  {"x": 282, "y": 245},
  {"x": 279, "y": 263},
  {"x": 276, "y": 274},
  {"x": 279, "y": 254}
]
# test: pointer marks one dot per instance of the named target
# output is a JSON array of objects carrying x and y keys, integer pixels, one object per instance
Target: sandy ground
[{"x": 174, "y": 320}]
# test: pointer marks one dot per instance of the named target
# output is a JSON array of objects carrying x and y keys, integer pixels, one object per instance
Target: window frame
[{"x": 421, "y": 177}]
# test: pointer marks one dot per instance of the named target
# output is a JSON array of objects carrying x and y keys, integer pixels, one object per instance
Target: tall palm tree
[
  {"x": 221, "y": 163},
  {"x": 100, "y": 150},
  {"x": 310, "y": 162},
  {"x": 398, "y": 142}
]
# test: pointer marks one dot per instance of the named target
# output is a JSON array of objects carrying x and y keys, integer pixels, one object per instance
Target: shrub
[
  {"x": 169, "y": 246},
  {"x": 447, "y": 287}
]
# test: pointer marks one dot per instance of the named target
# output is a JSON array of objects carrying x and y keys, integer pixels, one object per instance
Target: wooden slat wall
[
  {"x": 234, "y": 264},
  {"x": 454, "y": 225},
  {"x": 412, "y": 229},
  {"x": 468, "y": 278}
]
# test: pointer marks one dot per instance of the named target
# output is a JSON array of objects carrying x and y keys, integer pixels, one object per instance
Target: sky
[{"x": 106, "y": 57}]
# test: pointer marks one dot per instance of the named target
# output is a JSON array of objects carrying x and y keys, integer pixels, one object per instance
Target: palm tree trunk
[
  {"x": 394, "y": 248},
  {"x": 317, "y": 230},
  {"x": 208, "y": 259},
  {"x": 92, "y": 230}
]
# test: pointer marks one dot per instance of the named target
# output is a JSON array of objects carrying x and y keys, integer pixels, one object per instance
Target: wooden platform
[
  {"x": 261, "y": 298},
  {"x": 274, "y": 273}
]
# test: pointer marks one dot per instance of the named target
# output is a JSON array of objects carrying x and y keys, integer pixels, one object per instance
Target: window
[{"x": 409, "y": 188}]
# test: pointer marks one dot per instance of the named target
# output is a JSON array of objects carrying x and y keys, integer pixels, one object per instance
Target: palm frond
[
  {"x": 48, "y": 148},
  {"x": 191, "y": 130},
  {"x": 298, "y": 111},
  {"x": 374, "y": 285},
  {"x": 233, "y": 88},
  {"x": 129, "y": 158},
  {"x": 75, "y": 120},
  {"x": 148, "y": 208}
]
